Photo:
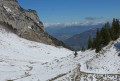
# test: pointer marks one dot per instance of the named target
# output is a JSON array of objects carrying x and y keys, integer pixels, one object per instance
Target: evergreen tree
[
  {"x": 83, "y": 48},
  {"x": 89, "y": 42},
  {"x": 98, "y": 35},
  {"x": 105, "y": 35},
  {"x": 107, "y": 25},
  {"x": 75, "y": 54},
  {"x": 115, "y": 30},
  {"x": 98, "y": 40},
  {"x": 98, "y": 48},
  {"x": 98, "y": 44},
  {"x": 94, "y": 43}
]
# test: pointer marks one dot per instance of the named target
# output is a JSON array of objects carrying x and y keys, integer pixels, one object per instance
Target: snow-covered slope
[
  {"x": 24, "y": 60},
  {"x": 101, "y": 63},
  {"x": 103, "y": 66},
  {"x": 107, "y": 61}
]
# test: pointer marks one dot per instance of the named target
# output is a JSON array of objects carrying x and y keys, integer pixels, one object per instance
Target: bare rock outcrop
[{"x": 25, "y": 22}]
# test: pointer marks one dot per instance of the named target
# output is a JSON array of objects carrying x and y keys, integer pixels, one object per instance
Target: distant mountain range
[
  {"x": 79, "y": 40},
  {"x": 64, "y": 33},
  {"x": 74, "y": 36}
]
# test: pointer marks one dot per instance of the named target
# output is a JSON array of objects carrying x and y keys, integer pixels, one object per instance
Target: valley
[{"x": 29, "y": 52}]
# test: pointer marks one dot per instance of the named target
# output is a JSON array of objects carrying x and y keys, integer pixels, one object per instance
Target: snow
[
  {"x": 38, "y": 22},
  {"x": 24, "y": 60},
  {"x": 19, "y": 56},
  {"x": 10, "y": 11},
  {"x": 7, "y": 9},
  {"x": 107, "y": 63},
  {"x": 29, "y": 27}
]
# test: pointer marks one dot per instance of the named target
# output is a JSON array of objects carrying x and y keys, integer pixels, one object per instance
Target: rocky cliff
[{"x": 25, "y": 22}]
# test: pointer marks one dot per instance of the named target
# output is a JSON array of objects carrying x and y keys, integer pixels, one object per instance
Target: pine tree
[
  {"x": 105, "y": 35},
  {"x": 98, "y": 35},
  {"x": 94, "y": 43},
  {"x": 98, "y": 41},
  {"x": 107, "y": 25},
  {"x": 98, "y": 48},
  {"x": 83, "y": 48},
  {"x": 89, "y": 42},
  {"x": 98, "y": 44},
  {"x": 75, "y": 53},
  {"x": 115, "y": 30}
]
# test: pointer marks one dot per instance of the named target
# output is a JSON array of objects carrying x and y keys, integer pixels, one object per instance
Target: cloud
[
  {"x": 52, "y": 24},
  {"x": 63, "y": 24},
  {"x": 90, "y": 18},
  {"x": 98, "y": 22},
  {"x": 101, "y": 17},
  {"x": 93, "y": 18},
  {"x": 68, "y": 24}
]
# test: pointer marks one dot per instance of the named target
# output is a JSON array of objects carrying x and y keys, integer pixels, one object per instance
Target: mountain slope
[
  {"x": 25, "y": 23},
  {"x": 24, "y": 60},
  {"x": 28, "y": 60},
  {"x": 93, "y": 66},
  {"x": 79, "y": 40}
]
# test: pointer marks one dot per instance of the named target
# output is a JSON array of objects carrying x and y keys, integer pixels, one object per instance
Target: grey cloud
[
  {"x": 90, "y": 18},
  {"x": 87, "y": 23},
  {"x": 93, "y": 18}
]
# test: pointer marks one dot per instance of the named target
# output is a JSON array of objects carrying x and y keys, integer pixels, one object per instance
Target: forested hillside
[{"x": 105, "y": 35}]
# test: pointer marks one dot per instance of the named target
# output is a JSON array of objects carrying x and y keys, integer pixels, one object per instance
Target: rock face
[{"x": 25, "y": 22}]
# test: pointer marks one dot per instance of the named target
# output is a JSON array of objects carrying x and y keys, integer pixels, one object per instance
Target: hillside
[
  {"x": 93, "y": 66},
  {"x": 79, "y": 40},
  {"x": 24, "y": 60}
]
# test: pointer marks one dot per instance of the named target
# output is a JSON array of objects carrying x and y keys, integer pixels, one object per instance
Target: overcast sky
[{"x": 74, "y": 11}]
